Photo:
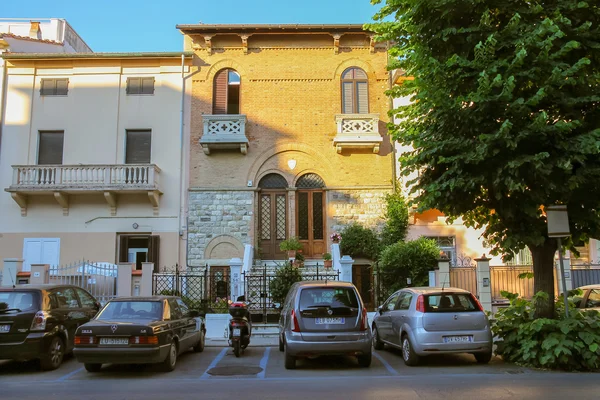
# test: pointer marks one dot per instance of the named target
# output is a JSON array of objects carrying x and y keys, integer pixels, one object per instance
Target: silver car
[
  {"x": 324, "y": 318},
  {"x": 425, "y": 321}
]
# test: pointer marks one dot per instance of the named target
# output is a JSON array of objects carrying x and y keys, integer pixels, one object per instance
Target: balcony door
[
  {"x": 273, "y": 213},
  {"x": 310, "y": 214}
]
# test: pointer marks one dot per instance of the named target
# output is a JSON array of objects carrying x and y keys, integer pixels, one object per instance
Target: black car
[
  {"x": 140, "y": 330},
  {"x": 39, "y": 321}
]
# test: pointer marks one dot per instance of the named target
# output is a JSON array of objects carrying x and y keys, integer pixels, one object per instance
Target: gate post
[
  {"x": 146, "y": 281},
  {"x": 235, "y": 281},
  {"x": 124, "y": 279},
  {"x": 40, "y": 274},
  {"x": 346, "y": 263},
  {"x": 11, "y": 267},
  {"x": 484, "y": 283},
  {"x": 443, "y": 274},
  {"x": 568, "y": 278}
]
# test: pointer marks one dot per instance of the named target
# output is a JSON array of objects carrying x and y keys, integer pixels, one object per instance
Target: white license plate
[
  {"x": 4, "y": 328},
  {"x": 458, "y": 339},
  {"x": 326, "y": 321},
  {"x": 121, "y": 341},
  {"x": 237, "y": 332}
]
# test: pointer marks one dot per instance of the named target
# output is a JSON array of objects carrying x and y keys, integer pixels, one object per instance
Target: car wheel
[
  {"x": 290, "y": 361},
  {"x": 483, "y": 358},
  {"x": 281, "y": 344},
  {"x": 364, "y": 360},
  {"x": 54, "y": 355},
  {"x": 408, "y": 355},
  {"x": 199, "y": 347},
  {"x": 377, "y": 343},
  {"x": 92, "y": 367},
  {"x": 171, "y": 360}
]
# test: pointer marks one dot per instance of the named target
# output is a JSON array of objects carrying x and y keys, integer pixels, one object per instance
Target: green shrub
[
  {"x": 285, "y": 277},
  {"x": 358, "y": 241},
  {"x": 396, "y": 215},
  {"x": 404, "y": 260},
  {"x": 571, "y": 343},
  {"x": 290, "y": 244}
]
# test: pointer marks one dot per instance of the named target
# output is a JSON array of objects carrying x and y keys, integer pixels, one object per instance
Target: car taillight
[
  {"x": 143, "y": 340},
  {"x": 477, "y": 302},
  {"x": 39, "y": 321},
  {"x": 85, "y": 340},
  {"x": 296, "y": 327},
  {"x": 421, "y": 303},
  {"x": 364, "y": 325}
]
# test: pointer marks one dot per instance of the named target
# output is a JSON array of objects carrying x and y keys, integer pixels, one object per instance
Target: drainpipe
[
  {"x": 391, "y": 107},
  {"x": 181, "y": 162},
  {"x": 3, "y": 96}
]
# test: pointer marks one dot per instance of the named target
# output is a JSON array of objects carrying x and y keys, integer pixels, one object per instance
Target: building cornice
[
  {"x": 79, "y": 56},
  {"x": 270, "y": 28}
]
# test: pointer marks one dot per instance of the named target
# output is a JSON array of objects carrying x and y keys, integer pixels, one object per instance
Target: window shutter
[
  {"x": 138, "y": 147},
  {"x": 362, "y": 94},
  {"x": 147, "y": 85},
  {"x": 220, "y": 92},
  {"x": 47, "y": 87},
  {"x": 154, "y": 252},
  {"x": 133, "y": 85},
  {"x": 62, "y": 87},
  {"x": 50, "y": 148},
  {"x": 347, "y": 100},
  {"x": 123, "y": 248}
]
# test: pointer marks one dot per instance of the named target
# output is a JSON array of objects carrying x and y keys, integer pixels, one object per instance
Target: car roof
[
  {"x": 305, "y": 284},
  {"x": 596, "y": 286},
  {"x": 429, "y": 290},
  {"x": 43, "y": 286},
  {"x": 143, "y": 298}
]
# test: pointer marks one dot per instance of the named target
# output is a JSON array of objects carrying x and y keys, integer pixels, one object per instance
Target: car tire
[
  {"x": 92, "y": 367},
  {"x": 170, "y": 362},
  {"x": 281, "y": 348},
  {"x": 377, "y": 343},
  {"x": 290, "y": 361},
  {"x": 364, "y": 360},
  {"x": 199, "y": 347},
  {"x": 408, "y": 355},
  {"x": 483, "y": 358},
  {"x": 54, "y": 355}
]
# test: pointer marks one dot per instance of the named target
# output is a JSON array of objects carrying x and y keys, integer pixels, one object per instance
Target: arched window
[
  {"x": 226, "y": 92},
  {"x": 310, "y": 181},
  {"x": 272, "y": 181},
  {"x": 355, "y": 93}
]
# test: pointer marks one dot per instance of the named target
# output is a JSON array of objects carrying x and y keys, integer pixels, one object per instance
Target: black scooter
[{"x": 240, "y": 326}]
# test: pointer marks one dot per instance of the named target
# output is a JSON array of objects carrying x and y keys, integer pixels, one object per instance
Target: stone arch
[
  {"x": 353, "y": 62},
  {"x": 303, "y": 174},
  {"x": 222, "y": 64},
  {"x": 224, "y": 246},
  {"x": 269, "y": 172}
]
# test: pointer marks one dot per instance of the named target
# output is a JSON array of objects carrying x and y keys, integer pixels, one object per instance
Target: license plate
[
  {"x": 105, "y": 340},
  {"x": 236, "y": 332},
  {"x": 4, "y": 328},
  {"x": 326, "y": 321},
  {"x": 458, "y": 339}
]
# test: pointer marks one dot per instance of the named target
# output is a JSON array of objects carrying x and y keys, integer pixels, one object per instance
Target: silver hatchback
[
  {"x": 425, "y": 321},
  {"x": 324, "y": 318}
]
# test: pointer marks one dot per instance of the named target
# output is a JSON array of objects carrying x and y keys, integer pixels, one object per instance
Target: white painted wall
[{"x": 55, "y": 29}]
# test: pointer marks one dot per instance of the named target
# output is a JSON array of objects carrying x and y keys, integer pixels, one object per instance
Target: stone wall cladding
[
  {"x": 366, "y": 207},
  {"x": 217, "y": 213}
]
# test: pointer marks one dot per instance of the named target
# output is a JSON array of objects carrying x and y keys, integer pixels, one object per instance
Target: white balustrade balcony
[
  {"x": 224, "y": 131},
  {"x": 357, "y": 131},
  {"x": 63, "y": 180}
]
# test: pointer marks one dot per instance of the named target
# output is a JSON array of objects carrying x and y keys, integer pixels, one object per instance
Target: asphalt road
[{"x": 260, "y": 374}]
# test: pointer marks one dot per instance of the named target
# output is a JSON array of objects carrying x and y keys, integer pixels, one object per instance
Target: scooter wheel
[{"x": 236, "y": 348}]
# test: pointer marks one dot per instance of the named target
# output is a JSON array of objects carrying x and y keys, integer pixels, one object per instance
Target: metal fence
[
  {"x": 586, "y": 274},
  {"x": 464, "y": 278},
  {"x": 191, "y": 285},
  {"x": 100, "y": 279},
  {"x": 506, "y": 278}
]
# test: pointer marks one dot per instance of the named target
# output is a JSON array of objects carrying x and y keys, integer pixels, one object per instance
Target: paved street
[{"x": 259, "y": 374}]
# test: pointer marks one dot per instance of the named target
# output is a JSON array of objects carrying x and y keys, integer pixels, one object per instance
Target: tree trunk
[{"x": 543, "y": 277}]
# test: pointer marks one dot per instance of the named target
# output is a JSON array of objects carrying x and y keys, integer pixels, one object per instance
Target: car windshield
[
  {"x": 340, "y": 297},
  {"x": 450, "y": 302},
  {"x": 116, "y": 310},
  {"x": 15, "y": 301}
]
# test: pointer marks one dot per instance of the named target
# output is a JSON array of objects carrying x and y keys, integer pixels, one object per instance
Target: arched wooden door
[
  {"x": 310, "y": 214},
  {"x": 273, "y": 211}
]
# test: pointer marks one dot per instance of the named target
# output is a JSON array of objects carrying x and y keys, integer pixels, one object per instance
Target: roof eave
[
  {"x": 270, "y": 28},
  {"x": 91, "y": 56}
]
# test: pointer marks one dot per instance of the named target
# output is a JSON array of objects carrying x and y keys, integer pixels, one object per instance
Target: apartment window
[
  {"x": 50, "y": 147},
  {"x": 140, "y": 85},
  {"x": 138, "y": 147},
  {"x": 54, "y": 87},
  {"x": 447, "y": 244},
  {"x": 355, "y": 91},
  {"x": 226, "y": 92},
  {"x": 137, "y": 249}
]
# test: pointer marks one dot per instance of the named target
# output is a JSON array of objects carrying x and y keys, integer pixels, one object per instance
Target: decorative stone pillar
[
  {"x": 124, "y": 279},
  {"x": 335, "y": 257},
  {"x": 248, "y": 258},
  {"x": 346, "y": 263},
  {"x": 146, "y": 281},
  {"x": 40, "y": 274},
  {"x": 443, "y": 274},
  {"x": 9, "y": 273},
  {"x": 235, "y": 278},
  {"x": 484, "y": 282},
  {"x": 432, "y": 280},
  {"x": 568, "y": 277}
]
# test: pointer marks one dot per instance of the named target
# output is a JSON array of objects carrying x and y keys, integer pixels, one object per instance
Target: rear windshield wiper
[{"x": 10, "y": 309}]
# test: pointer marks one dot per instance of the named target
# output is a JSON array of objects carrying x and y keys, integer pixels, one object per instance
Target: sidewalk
[{"x": 255, "y": 341}]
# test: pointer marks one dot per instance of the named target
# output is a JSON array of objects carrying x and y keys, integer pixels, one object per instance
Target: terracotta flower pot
[
  {"x": 328, "y": 263},
  {"x": 291, "y": 253}
]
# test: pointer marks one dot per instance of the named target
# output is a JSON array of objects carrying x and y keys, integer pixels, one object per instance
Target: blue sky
[{"x": 149, "y": 25}]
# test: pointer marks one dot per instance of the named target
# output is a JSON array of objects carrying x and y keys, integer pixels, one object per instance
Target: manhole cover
[{"x": 234, "y": 370}]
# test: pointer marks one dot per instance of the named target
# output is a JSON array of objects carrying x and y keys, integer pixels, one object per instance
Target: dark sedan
[{"x": 140, "y": 330}]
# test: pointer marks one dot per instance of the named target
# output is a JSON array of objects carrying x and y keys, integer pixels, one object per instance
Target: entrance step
[{"x": 265, "y": 330}]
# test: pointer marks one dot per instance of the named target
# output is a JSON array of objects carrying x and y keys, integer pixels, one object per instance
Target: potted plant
[
  {"x": 335, "y": 237},
  {"x": 299, "y": 260},
  {"x": 327, "y": 261},
  {"x": 291, "y": 245}
]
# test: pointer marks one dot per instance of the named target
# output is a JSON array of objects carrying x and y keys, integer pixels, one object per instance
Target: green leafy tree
[
  {"x": 285, "y": 277},
  {"x": 358, "y": 241},
  {"x": 396, "y": 215},
  {"x": 402, "y": 260},
  {"x": 504, "y": 118}
]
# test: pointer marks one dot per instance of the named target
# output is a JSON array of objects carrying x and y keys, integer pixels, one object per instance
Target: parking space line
[
  {"x": 387, "y": 365},
  {"x": 214, "y": 363},
  {"x": 263, "y": 363},
  {"x": 67, "y": 376}
]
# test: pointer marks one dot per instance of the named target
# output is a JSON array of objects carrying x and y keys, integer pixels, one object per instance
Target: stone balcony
[
  {"x": 357, "y": 131},
  {"x": 224, "y": 131},
  {"x": 64, "y": 180}
]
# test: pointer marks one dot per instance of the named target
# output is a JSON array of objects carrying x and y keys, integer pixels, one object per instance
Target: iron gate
[
  {"x": 586, "y": 274},
  {"x": 190, "y": 285}
]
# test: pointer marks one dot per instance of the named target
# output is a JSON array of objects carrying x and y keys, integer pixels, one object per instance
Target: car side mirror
[
  {"x": 194, "y": 313},
  {"x": 380, "y": 310},
  {"x": 98, "y": 306}
]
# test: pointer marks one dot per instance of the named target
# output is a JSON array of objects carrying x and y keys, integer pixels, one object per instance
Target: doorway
[
  {"x": 137, "y": 249},
  {"x": 273, "y": 214},
  {"x": 310, "y": 214}
]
